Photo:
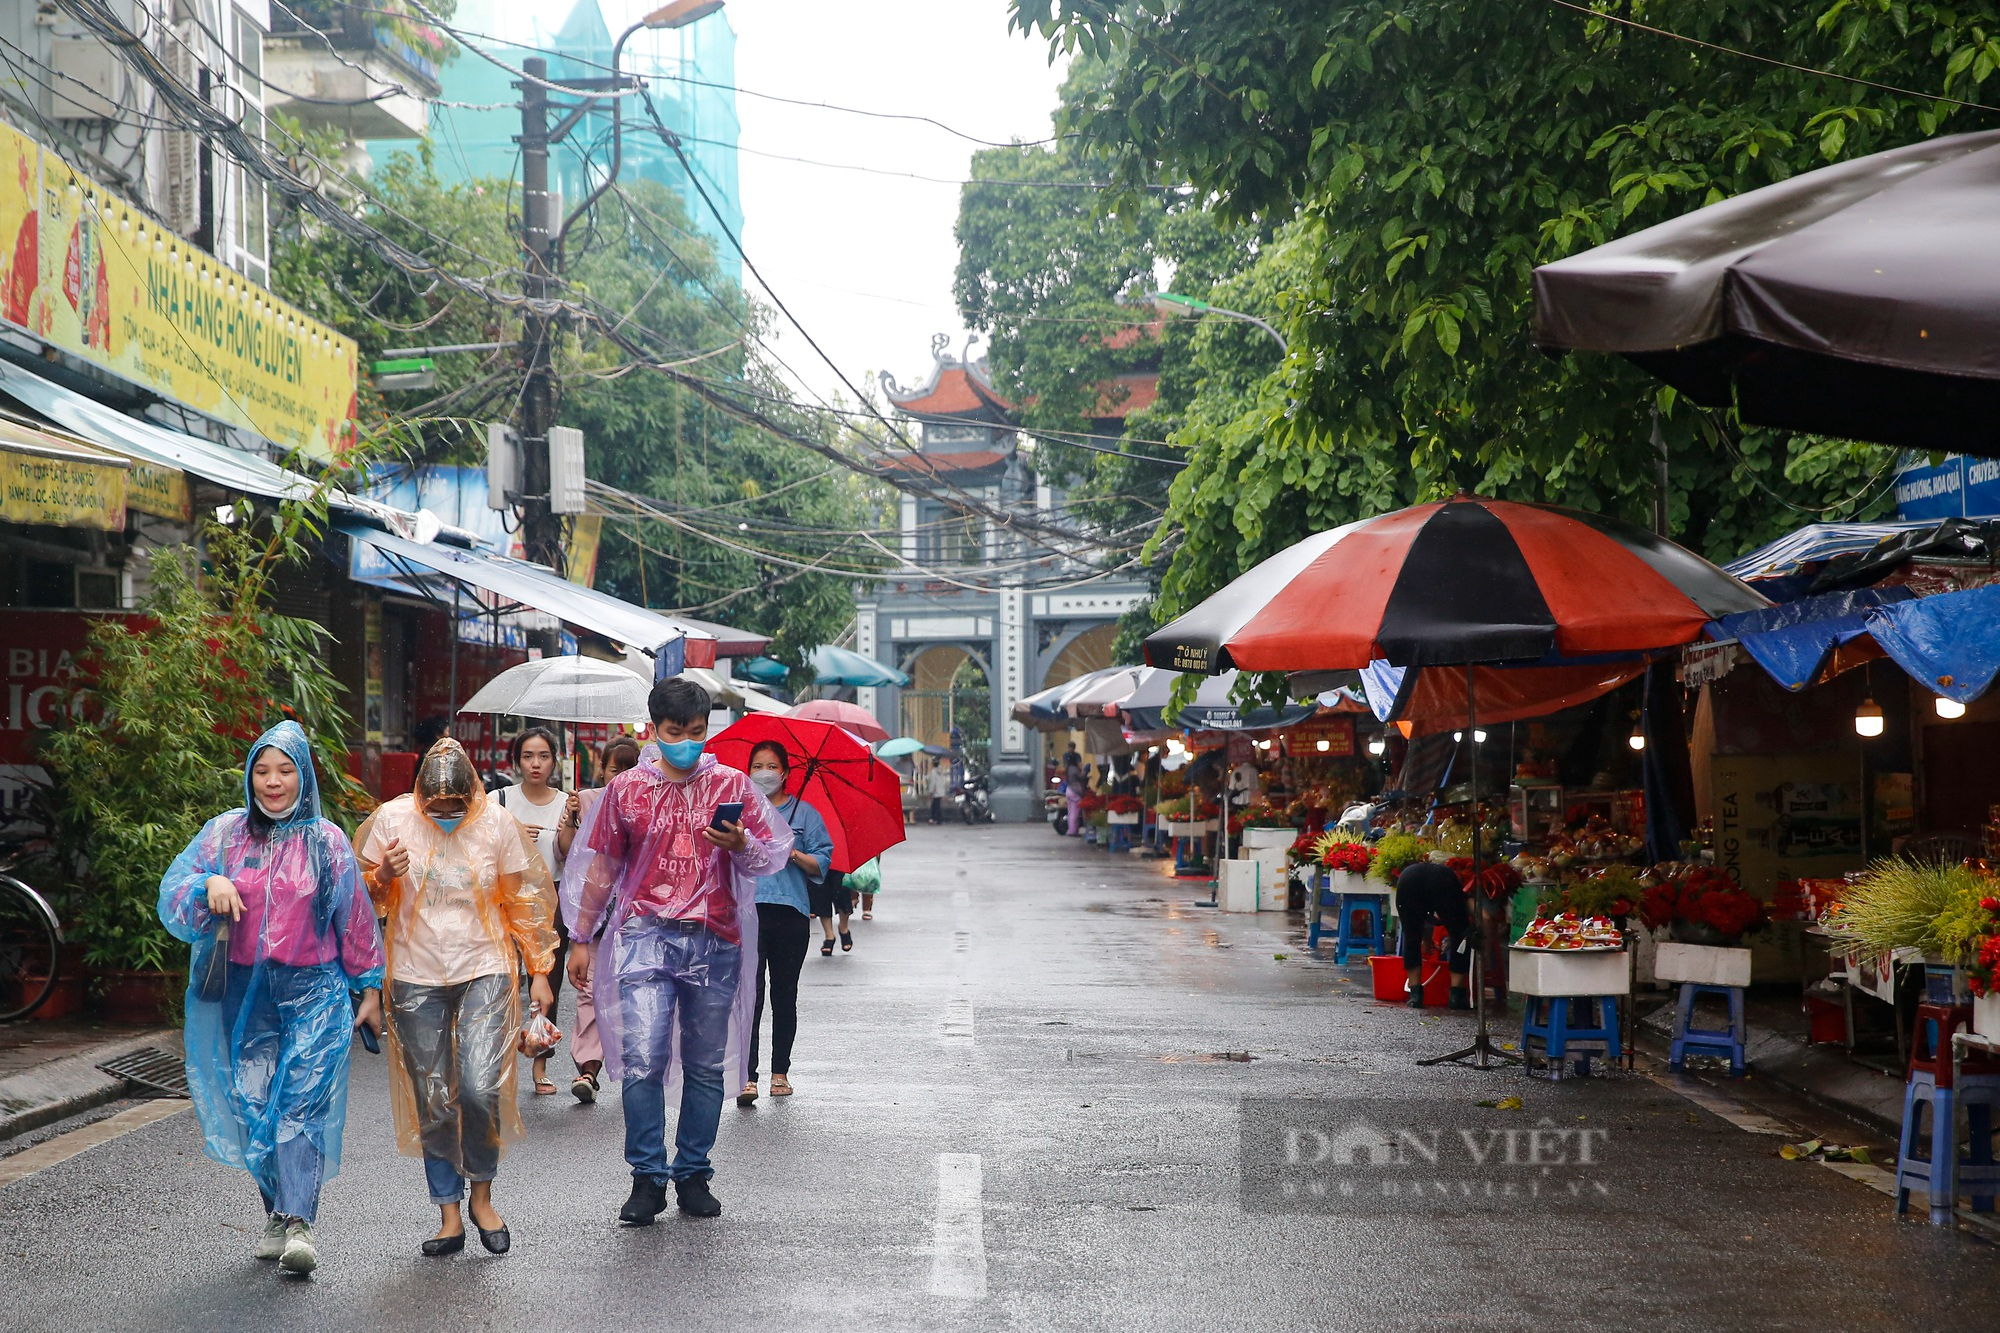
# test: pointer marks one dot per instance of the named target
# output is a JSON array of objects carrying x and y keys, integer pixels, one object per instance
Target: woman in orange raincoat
[{"x": 467, "y": 903}]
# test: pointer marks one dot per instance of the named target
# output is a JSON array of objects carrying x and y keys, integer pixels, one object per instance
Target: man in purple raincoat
[{"x": 674, "y": 890}]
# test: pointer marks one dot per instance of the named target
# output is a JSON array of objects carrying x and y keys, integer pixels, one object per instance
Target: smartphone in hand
[{"x": 729, "y": 812}]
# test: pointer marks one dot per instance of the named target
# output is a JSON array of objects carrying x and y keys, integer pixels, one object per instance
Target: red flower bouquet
[
  {"x": 1123, "y": 804},
  {"x": 1983, "y": 978},
  {"x": 1496, "y": 879},
  {"x": 1704, "y": 906},
  {"x": 1353, "y": 857}
]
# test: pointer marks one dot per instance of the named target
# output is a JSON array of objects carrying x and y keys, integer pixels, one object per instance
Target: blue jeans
[
  {"x": 665, "y": 970},
  {"x": 289, "y": 1083}
]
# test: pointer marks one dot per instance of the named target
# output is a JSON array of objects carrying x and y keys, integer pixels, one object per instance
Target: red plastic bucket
[{"x": 1391, "y": 985}]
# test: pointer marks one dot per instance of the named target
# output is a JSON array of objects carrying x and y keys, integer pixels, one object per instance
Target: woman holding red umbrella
[{"x": 784, "y": 917}]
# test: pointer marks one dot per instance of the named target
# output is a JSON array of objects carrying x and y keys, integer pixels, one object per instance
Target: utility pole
[{"x": 541, "y": 529}]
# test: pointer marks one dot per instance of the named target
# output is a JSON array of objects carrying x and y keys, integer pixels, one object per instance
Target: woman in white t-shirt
[{"x": 549, "y": 816}]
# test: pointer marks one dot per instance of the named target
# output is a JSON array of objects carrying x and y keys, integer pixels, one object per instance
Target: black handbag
[{"x": 214, "y": 977}]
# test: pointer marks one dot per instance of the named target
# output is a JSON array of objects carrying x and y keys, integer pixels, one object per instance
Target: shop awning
[
  {"x": 50, "y": 481},
  {"x": 528, "y": 585},
  {"x": 1212, "y": 710},
  {"x": 232, "y": 469},
  {"x": 1816, "y": 542}
]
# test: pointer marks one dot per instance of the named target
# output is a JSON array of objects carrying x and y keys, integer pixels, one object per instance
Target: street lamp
[
  {"x": 676, "y": 15},
  {"x": 1169, "y": 303}
]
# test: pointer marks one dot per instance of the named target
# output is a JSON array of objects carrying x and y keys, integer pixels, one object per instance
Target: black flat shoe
[
  {"x": 1416, "y": 1000},
  {"x": 437, "y": 1247},
  {"x": 496, "y": 1241}
]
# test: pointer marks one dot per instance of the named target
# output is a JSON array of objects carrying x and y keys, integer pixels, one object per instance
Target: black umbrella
[{"x": 1861, "y": 300}]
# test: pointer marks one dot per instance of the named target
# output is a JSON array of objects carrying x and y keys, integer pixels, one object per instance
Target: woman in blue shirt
[{"x": 784, "y": 917}]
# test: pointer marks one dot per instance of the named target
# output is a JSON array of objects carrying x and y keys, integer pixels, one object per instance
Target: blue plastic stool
[
  {"x": 1191, "y": 857},
  {"x": 1560, "y": 1024},
  {"x": 1943, "y": 1174},
  {"x": 1374, "y": 907},
  {"x": 1716, "y": 1041},
  {"x": 1121, "y": 837}
]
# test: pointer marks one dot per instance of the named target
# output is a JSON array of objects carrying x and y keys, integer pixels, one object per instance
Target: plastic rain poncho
[
  {"x": 488, "y": 865},
  {"x": 267, "y": 1063},
  {"x": 599, "y": 893}
]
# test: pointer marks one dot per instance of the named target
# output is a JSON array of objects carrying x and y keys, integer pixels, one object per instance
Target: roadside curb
[
  {"x": 1821, "y": 1074},
  {"x": 71, "y": 1084}
]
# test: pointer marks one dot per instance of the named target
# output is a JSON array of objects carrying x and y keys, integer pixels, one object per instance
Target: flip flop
[
  {"x": 545, "y": 1087},
  {"x": 867, "y": 916},
  {"x": 780, "y": 1086}
]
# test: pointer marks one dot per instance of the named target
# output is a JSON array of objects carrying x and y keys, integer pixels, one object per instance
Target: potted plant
[
  {"x": 1347, "y": 863},
  {"x": 1395, "y": 853},
  {"x": 1706, "y": 914},
  {"x": 1266, "y": 826},
  {"x": 1983, "y": 973},
  {"x": 152, "y": 744}
]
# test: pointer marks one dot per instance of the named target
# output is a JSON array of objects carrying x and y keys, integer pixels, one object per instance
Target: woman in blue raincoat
[{"x": 271, "y": 899}]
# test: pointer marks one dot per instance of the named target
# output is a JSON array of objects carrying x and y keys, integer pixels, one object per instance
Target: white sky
[{"x": 865, "y": 261}]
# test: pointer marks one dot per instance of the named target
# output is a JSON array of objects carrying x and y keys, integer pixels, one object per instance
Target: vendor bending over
[{"x": 1429, "y": 894}]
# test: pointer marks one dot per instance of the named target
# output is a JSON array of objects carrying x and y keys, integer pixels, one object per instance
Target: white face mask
[{"x": 769, "y": 781}]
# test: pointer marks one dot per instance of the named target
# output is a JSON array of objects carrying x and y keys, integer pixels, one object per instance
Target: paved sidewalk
[{"x": 48, "y": 1071}]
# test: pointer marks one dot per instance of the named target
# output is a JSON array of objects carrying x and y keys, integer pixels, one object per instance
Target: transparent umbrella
[{"x": 565, "y": 689}]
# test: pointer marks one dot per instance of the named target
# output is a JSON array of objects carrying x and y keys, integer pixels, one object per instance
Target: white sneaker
[
  {"x": 272, "y": 1243},
  {"x": 299, "y": 1256}
]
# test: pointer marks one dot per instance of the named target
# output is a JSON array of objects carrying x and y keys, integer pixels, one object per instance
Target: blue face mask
[
  {"x": 448, "y": 825},
  {"x": 681, "y": 755}
]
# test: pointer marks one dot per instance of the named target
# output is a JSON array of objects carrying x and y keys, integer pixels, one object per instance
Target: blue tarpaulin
[
  {"x": 1791, "y": 641},
  {"x": 1950, "y": 643}
]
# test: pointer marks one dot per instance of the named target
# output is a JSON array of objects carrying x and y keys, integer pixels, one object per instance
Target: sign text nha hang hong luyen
[{"x": 86, "y": 272}]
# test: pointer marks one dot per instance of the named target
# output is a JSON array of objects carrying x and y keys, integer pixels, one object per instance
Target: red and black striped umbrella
[{"x": 1468, "y": 580}]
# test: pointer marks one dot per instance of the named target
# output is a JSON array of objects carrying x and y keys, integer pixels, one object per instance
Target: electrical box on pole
[
  {"x": 503, "y": 465},
  {"x": 565, "y": 470}
]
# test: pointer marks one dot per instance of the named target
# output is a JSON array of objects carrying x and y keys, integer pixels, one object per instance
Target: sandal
[
  {"x": 780, "y": 1086},
  {"x": 748, "y": 1097},
  {"x": 545, "y": 1087},
  {"x": 867, "y": 916},
  {"x": 846, "y": 943},
  {"x": 584, "y": 1087},
  {"x": 826, "y": 949}
]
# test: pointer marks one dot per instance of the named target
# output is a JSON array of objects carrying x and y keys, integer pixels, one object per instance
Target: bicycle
[{"x": 30, "y": 948}]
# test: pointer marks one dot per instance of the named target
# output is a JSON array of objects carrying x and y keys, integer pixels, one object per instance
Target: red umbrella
[
  {"x": 851, "y": 716},
  {"x": 857, "y": 794}
]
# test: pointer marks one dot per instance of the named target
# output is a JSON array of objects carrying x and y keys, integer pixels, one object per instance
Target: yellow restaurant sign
[
  {"x": 45, "y": 480},
  {"x": 86, "y": 272}
]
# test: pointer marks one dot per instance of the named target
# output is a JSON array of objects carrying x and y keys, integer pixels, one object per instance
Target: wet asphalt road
[{"x": 1012, "y": 1115}]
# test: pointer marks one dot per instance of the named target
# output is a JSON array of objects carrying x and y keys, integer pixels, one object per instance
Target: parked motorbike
[{"x": 975, "y": 804}]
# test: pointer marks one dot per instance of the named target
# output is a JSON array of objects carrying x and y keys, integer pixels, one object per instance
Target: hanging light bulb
[
  {"x": 1324, "y": 746},
  {"x": 1637, "y": 740},
  {"x": 1868, "y": 718},
  {"x": 1378, "y": 745},
  {"x": 1949, "y": 708},
  {"x": 1478, "y": 736},
  {"x": 1458, "y": 735}
]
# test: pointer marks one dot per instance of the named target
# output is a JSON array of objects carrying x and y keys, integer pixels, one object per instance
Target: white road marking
[
  {"x": 958, "y": 1247},
  {"x": 960, "y": 941},
  {"x": 65, "y": 1146},
  {"x": 958, "y": 1020}
]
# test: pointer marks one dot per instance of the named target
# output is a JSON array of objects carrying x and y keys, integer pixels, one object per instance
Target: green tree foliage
[
  {"x": 156, "y": 741},
  {"x": 636, "y": 255},
  {"x": 1432, "y": 154}
]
